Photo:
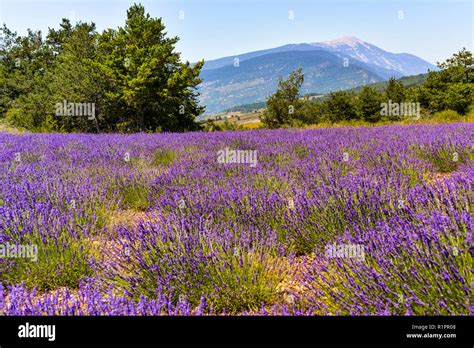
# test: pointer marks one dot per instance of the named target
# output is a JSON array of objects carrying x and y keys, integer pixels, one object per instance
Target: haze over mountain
[{"x": 338, "y": 64}]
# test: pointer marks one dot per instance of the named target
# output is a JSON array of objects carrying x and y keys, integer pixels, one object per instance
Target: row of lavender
[{"x": 267, "y": 237}]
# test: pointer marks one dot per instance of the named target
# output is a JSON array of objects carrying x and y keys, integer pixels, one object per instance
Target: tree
[
  {"x": 23, "y": 63},
  {"x": 340, "y": 107},
  {"x": 154, "y": 89},
  {"x": 311, "y": 112},
  {"x": 133, "y": 76},
  {"x": 452, "y": 87},
  {"x": 56, "y": 38},
  {"x": 459, "y": 97},
  {"x": 284, "y": 105},
  {"x": 369, "y": 104},
  {"x": 78, "y": 78},
  {"x": 395, "y": 91},
  {"x": 459, "y": 68}
]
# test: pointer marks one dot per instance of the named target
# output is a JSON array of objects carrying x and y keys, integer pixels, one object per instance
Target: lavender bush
[{"x": 154, "y": 224}]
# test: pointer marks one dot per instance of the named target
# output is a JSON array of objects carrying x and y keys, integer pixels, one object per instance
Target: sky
[{"x": 210, "y": 29}]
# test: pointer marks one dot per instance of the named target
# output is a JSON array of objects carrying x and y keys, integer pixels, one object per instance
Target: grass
[
  {"x": 447, "y": 116},
  {"x": 252, "y": 125}
]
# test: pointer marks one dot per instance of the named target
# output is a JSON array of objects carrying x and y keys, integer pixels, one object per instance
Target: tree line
[
  {"x": 450, "y": 88},
  {"x": 130, "y": 78}
]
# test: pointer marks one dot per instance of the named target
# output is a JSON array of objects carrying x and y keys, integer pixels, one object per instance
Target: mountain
[
  {"x": 256, "y": 78},
  {"x": 339, "y": 64},
  {"x": 218, "y": 63},
  {"x": 382, "y": 61}
]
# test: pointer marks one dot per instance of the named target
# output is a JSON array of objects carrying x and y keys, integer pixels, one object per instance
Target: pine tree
[
  {"x": 340, "y": 107},
  {"x": 369, "y": 104},
  {"x": 395, "y": 91},
  {"x": 154, "y": 89},
  {"x": 284, "y": 105}
]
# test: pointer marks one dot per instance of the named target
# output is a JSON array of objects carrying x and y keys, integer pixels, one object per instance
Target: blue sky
[{"x": 430, "y": 29}]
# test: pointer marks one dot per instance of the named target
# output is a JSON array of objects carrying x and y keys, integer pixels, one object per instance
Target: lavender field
[{"x": 340, "y": 221}]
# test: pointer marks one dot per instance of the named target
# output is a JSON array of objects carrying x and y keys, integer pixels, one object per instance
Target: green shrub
[
  {"x": 233, "y": 280},
  {"x": 59, "y": 263},
  {"x": 135, "y": 196},
  {"x": 163, "y": 157},
  {"x": 447, "y": 116}
]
